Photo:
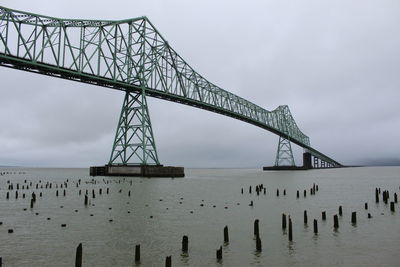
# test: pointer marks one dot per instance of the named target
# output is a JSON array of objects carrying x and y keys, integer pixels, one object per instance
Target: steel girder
[{"x": 127, "y": 55}]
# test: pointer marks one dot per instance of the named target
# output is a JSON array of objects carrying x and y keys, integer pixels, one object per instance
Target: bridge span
[{"x": 132, "y": 56}]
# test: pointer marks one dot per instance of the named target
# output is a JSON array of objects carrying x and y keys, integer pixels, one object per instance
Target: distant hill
[{"x": 382, "y": 162}]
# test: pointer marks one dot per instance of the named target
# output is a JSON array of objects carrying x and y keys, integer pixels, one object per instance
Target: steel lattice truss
[{"x": 127, "y": 55}]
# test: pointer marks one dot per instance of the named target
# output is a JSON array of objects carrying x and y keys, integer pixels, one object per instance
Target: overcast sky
[{"x": 334, "y": 63}]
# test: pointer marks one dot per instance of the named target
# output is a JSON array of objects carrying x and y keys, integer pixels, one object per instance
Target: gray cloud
[{"x": 334, "y": 63}]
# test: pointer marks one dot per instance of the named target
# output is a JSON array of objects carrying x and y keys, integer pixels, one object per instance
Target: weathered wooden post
[
  {"x": 168, "y": 261},
  {"x": 290, "y": 230},
  {"x": 137, "y": 253},
  {"x": 219, "y": 253},
  {"x": 376, "y": 195},
  {"x": 185, "y": 244},
  {"x": 256, "y": 228},
  {"x": 324, "y": 215},
  {"x": 335, "y": 221},
  {"x": 391, "y": 206},
  {"x": 32, "y": 203},
  {"x": 315, "y": 226},
  {"x": 283, "y": 221},
  {"x": 277, "y": 192},
  {"x": 395, "y": 197},
  {"x": 340, "y": 211},
  {"x": 258, "y": 244},
  {"x": 366, "y": 205},
  {"x": 226, "y": 234},
  {"x": 305, "y": 217},
  {"x": 78, "y": 257},
  {"x": 298, "y": 194},
  {"x": 354, "y": 217},
  {"x": 86, "y": 200}
]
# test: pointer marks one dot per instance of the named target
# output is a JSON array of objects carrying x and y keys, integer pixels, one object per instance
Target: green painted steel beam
[{"x": 129, "y": 55}]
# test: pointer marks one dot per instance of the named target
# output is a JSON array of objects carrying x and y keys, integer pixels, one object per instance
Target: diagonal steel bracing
[
  {"x": 284, "y": 154},
  {"x": 134, "y": 141},
  {"x": 128, "y": 55}
]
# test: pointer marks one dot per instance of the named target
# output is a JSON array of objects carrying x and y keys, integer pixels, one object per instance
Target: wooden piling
[
  {"x": 277, "y": 192},
  {"x": 283, "y": 221},
  {"x": 284, "y": 192},
  {"x": 335, "y": 221},
  {"x": 78, "y": 257},
  {"x": 376, "y": 195},
  {"x": 366, "y": 205},
  {"x": 324, "y": 215},
  {"x": 86, "y": 200},
  {"x": 256, "y": 228},
  {"x": 395, "y": 197},
  {"x": 137, "y": 253},
  {"x": 298, "y": 194},
  {"x": 305, "y": 193},
  {"x": 315, "y": 226},
  {"x": 392, "y": 206},
  {"x": 340, "y": 211},
  {"x": 168, "y": 262},
  {"x": 258, "y": 244},
  {"x": 219, "y": 253},
  {"x": 226, "y": 234},
  {"x": 32, "y": 203},
  {"x": 354, "y": 217},
  {"x": 290, "y": 230},
  {"x": 305, "y": 217},
  {"x": 185, "y": 244}
]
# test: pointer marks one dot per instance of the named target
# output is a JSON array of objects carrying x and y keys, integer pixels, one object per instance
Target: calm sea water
[{"x": 161, "y": 210}]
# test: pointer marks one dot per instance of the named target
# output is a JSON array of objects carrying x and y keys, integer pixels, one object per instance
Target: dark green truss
[{"x": 128, "y": 55}]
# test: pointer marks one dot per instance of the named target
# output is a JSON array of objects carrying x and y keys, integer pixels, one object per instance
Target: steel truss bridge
[{"x": 132, "y": 56}]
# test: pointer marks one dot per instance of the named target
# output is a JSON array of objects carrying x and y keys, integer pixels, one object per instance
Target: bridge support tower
[
  {"x": 134, "y": 150},
  {"x": 284, "y": 154}
]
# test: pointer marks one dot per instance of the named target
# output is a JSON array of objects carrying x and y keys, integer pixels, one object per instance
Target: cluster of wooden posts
[{"x": 60, "y": 189}]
